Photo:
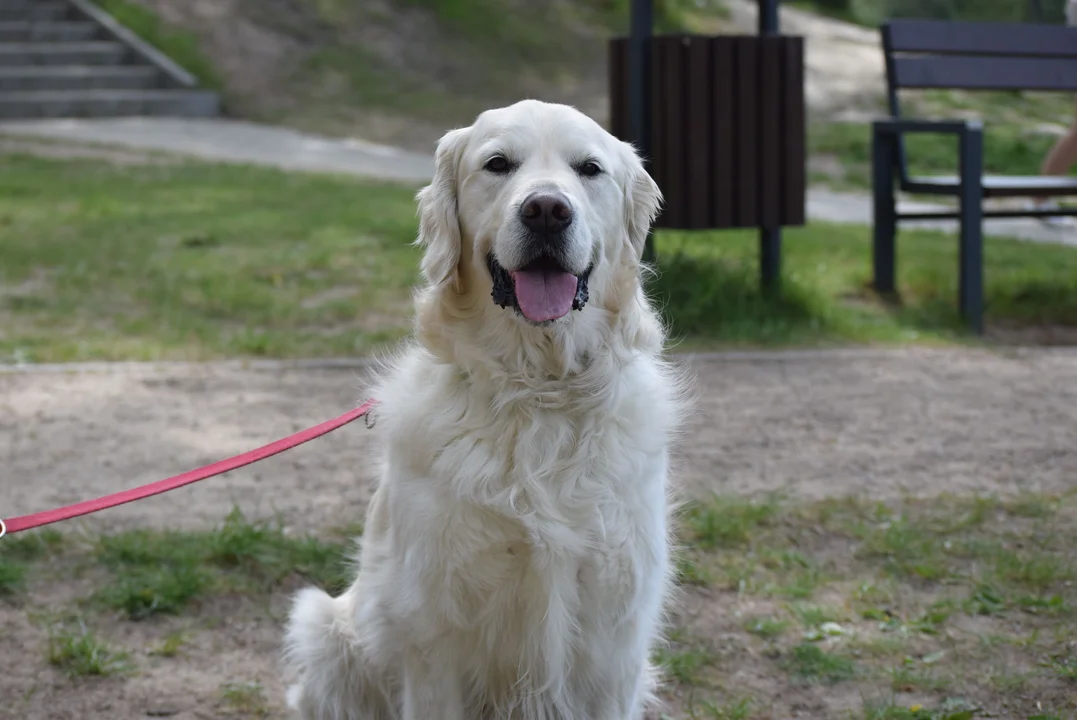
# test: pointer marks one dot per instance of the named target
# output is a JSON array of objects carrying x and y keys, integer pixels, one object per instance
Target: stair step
[
  {"x": 72, "y": 53},
  {"x": 24, "y": 30},
  {"x": 50, "y": 10},
  {"x": 77, "y": 77},
  {"x": 108, "y": 103}
]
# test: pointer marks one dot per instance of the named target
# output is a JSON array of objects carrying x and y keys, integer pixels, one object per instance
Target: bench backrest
[{"x": 948, "y": 55}]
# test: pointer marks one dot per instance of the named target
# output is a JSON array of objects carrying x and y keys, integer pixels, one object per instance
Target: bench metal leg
[
  {"x": 770, "y": 259},
  {"x": 883, "y": 160},
  {"x": 970, "y": 281}
]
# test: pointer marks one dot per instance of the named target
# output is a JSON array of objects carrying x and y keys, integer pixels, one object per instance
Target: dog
[{"x": 515, "y": 563}]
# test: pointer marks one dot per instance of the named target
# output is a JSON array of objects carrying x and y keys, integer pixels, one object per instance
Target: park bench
[{"x": 946, "y": 55}]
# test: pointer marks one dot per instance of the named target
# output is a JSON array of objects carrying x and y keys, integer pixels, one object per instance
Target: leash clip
[
  {"x": 3, "y": 528},
  {"x": 368, "y": 419}
]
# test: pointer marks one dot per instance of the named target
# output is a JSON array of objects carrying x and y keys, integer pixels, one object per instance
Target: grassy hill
[{"x": 396, "y": 71}]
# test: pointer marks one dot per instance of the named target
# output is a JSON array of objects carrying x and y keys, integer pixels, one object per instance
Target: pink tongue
[{"x": 544, "y": 295}]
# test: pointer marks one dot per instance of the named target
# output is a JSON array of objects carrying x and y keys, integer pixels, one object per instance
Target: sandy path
[{"x": 878, "y": 423}]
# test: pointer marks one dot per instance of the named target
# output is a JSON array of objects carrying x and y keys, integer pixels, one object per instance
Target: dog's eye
[
  {"x": 497, "y": 165},
  {"x": 588, "y": 169}
]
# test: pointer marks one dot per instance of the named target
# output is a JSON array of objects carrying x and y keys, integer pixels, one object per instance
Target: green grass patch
[
  {"x": 812, "y": 616},
  {"x": 690, "y": 572},
  {"x": 488, "y": 53},
  {"x": 920, "y": 596},
  {"x": 1019, "y": 129},
  {"x": 1065, "y": 667},
  {"x": 17, "y": 552},
  {"x": 245, "y": 699},
  {"x": 683, "y": 664},
  {"x": 180, "y": 46},
  {"x": 738, "y": 709},
  {"x": 955, "y": 709},
  {"x": 808, "y": 663},
  {"x": 726, "y": 521},
  {"x": 79, "y": 652},
  {"x": 198, "y": 261},
  {"x": 157, "y": 572},
  {"x": 171, "y": 646},
  {"x": 708, "y": 288},
  {"x": 767, "y": 628}
]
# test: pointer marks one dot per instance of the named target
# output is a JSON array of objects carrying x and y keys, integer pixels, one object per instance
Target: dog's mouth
[{"x": 542, "y": 290}]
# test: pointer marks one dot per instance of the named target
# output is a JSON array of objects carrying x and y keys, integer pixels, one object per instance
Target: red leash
[{"x": 47, "y": 517}]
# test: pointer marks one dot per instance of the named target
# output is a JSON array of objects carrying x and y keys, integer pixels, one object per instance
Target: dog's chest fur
[{"x": 544, "y": 515}]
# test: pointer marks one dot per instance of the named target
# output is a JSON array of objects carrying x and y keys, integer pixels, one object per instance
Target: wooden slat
[
  {"x": 746, "y": 175},
  {"x": 674, "y": 145},
  {"x": 700, "y": 134},
  {"x": 771, "y": 126},
  {"x": 982, "y": 38},
  {"x": 794, "y": 130},
  {"x": 969, "y": 72},
  {"x": 723, "y": 132},
  {"x": 728, "y": 136}
]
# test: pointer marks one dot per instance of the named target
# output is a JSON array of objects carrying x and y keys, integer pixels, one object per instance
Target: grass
[
  {"x": 809, "y": 664},
  {"x": 767, "y": 628},
  {"x": 1019, "y": 129},
  {"x": 738, "y": 709},
  {"x": 78, "y": 652},
  {"x": 171, "y": 646},
  {"x": 486, "y": 52},
  {"x": 180, "y": 46},
  {"x": 683, "y": 663},
  {"x": 726, "y": 521},
  {"x": 890, "y": 711},
  {"x": 946, "y": 599},
  {"x": 197, "y": 261},
  {"x": 163, "y": 573},
  {"x": 989, "y": 630},
  {"x": 17, "y": 552},
  {"x": 245, "y": 699}
]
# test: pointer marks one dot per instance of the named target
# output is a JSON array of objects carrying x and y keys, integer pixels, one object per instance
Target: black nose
[{"x": 546, "y": 213}]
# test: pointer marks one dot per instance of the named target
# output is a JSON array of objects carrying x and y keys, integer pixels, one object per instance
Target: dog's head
[{"x": 538, "y": 211}]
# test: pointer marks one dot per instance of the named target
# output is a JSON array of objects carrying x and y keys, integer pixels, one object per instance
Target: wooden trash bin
[{"x": 727, "y": 141}]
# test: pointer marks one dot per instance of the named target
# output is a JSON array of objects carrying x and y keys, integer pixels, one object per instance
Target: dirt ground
[{"x": 875, "y": 424}]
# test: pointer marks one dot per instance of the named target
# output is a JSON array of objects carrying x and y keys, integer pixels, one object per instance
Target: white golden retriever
[{"x": 516, "y": 559}]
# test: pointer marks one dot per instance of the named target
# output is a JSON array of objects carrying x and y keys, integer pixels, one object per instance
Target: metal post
[
  {"x": 768, "y": 17},
  {"x": 884, "y": 148},
  {"x": 770, "y": 239},
  {"x": 639, "y": 89}
]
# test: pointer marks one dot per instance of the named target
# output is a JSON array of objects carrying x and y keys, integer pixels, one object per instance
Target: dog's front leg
[{"x": 432, "y": 691}]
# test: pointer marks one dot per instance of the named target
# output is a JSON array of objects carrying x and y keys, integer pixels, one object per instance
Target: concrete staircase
[{"x": 68, "y": 58}]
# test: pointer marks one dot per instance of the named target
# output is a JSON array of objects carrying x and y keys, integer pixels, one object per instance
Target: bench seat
[{"x": 995, "y": 185}]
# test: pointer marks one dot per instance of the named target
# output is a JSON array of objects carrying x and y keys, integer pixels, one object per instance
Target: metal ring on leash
[{"x": 3, "y": 528}]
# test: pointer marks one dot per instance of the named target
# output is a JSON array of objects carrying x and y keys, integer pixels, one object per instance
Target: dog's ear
[
  {"x": 643, "y": 199},
  {"x": 439, "y": 221}
]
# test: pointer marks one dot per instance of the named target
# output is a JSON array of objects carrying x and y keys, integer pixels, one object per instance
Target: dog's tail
[{"x": 323, "y": 649}]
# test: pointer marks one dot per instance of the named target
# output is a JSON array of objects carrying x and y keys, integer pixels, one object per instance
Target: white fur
[{"x": 516, "y": 558}]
